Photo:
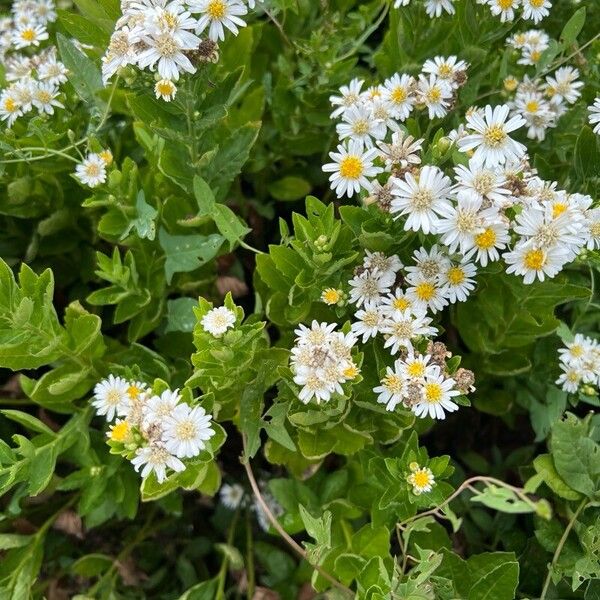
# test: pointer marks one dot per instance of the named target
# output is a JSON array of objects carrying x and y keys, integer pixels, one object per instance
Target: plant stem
[
  {"x": 249, "y": 558},
  {"x": 559, "y": 548},
  {"x": 277, "y": 526},
  {"x": 225, "y": 562}
]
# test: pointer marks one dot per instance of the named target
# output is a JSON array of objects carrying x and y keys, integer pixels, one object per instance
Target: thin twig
[
  {"x": 559, "y": 548},
  {"x": 280, "y": 530}
]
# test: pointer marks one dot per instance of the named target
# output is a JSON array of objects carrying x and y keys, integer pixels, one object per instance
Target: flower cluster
[
  {"x": 322, "y": 361},
  {"x": 34, "y": 77},
  {"x": 580, "y": 365},
  {"x": 541, "y": 102},
  {"x": 170, "y": 37},
  {"x": 154, "y": 431},
  {"x": 369, "y": 127},
  {"x": 534, "y": 10}
]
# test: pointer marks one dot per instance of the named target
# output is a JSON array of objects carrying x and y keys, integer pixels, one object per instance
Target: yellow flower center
[
  {"x": 393, "y": 383},
  {"x": 486, "y": 240},
  {"x": 398, "y": 95},
  {"x": 186, "y": 431},
  {"x": 510, "y": 84},
  {"x": 532, "y": 106},
  {"x": 505, "y": 4},
  {"x": 401, "y": 303},
  {"x": 558, "y": 209},
  {"x": 165, "y": 87},
  {"x": 416, "y": 369},
  {"x": 595, "y": 229},
  {"x": 534, "y": 259},
  {"x": 93, "y": 170},
  {"x": 422, "y": 199},
  {"x": 351, "y": 167},
  {"x": 120, "y": 431},
  {"x": 494, "y": 136},
  {"x": 535, "y": 56},
  {"x": 445, "y": 70},
  {"x": 434, "y": 95},
  {"x": 106, "y": 156},
  {"x": 456, "y": 275},
  {"x": 421, "y": 479},
  {"x": 433, "y": 392},
  {"x": 536, "y": 3},
  {"x": 216, "y": 9},
  {"x": 361, "y": 127},
  {"x": 10, "y": 105},
  {"x": 576, "y": 351},
  {"x": 133, "y": 391},
  {"x": 331, "y": 296},
  {"x": 351, "y": 372},
  {"x": 113, "y": 397},
  {"x": 425, "y": 291},
  {"x": 28, "y": 34}
]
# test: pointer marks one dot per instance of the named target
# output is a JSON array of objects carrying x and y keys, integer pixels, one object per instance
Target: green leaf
[
  {"x": 544, "y": 465},
  {"x": 144, "y": 222},
  {"x": 576, "y": 455},
  {"x": 186, "y": 253},
  {"x": 573, "y": 27},
  {"x": 206, "y": 590},
  {"x": 180, "y": 315},
  {"x": 502, "y": 499},
  {"x": 28, "y": 421},
  {"x": 587, "y": 155},
  {"x": 290, "y": 188},
  {"x": 83, "y": 73},
  {"x": 500, "y": 583}
]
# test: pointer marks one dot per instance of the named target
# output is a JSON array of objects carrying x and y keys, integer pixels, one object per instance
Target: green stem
[
  {"x": 249, "y": 557},
  {"x": 225, "y": 562},
  {"x": 559, "y": 548}
]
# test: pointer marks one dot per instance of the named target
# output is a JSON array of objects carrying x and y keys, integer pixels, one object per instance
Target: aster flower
[
  {"x": 92, "y": 171},
  {"x": 186, "y": 430},
  {"x": 156, "y": 458},
  {"x": 438, "y": 392},
  {"x": 218, "y": 15},
  {"x": 218, "y": 320}
]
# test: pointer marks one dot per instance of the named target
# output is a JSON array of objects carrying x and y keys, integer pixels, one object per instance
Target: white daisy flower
[
  {"x": 426, "y": 294},
  {"x": 398, "y": 91},
  {"x": 438, "y": 392},
  {"x": 10, "y": 109},
  {"x": 231, "y": 495},
  {"x": 594, "y": 117},
  {"x": 421, "y": 199},
  {"x": 110, "y": 397},
  {"x": 416, "y": 367},
  {"x": 488, "y": 184},
  {"x": 592, "y": 218},
  {"x": 434, "y": 8},
  {"x": 392, "y": 388},
  {"x": 29, "y": 35},
  {"x": 536, "y": 10},
  {"x": 158, "y": 408},
  {"x": 166, "y": 53},
  {"x": 504, "y": 8},
  {"x": 121, "y": 51},
  {"x": 165, "y": 89},
  {"x": 367, "y": 289},
  {"x": 351, "y": 169},
  {"x": 218, "y": 320},
  {"x": 368, "y": 323},
  {"x": 92, "y": 171},
  {"x": 457, "y": 282},
  {"x": 157, "y": 458},
  {"x": 445, "y": 68},
  {"x": 570, "y": 379},
  {"x": 218, "y": 15},
  {"x": 491, "y": 142},
  {"x": 349, "y": 96},
  {"x": 396, "y": 301},
  {"x": 403, "y": 326},
  {"x": 421, "y": 479},
  {"x": 186, "y": 430},
  {"x": 564, "y": 86},
  {"x": 495, "y": 236},
  {"x": 360, "y": 125},
  {"x": 435, "y": 93},
  {"x": 52, "y": 71},
  {"x": 429, "y": 264},
  {"x": 532, "y": 262},
  {"x": 401, "y": 152},
  {"x": 44, "y": 98},
  {"x": 387, "y": 266}
]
